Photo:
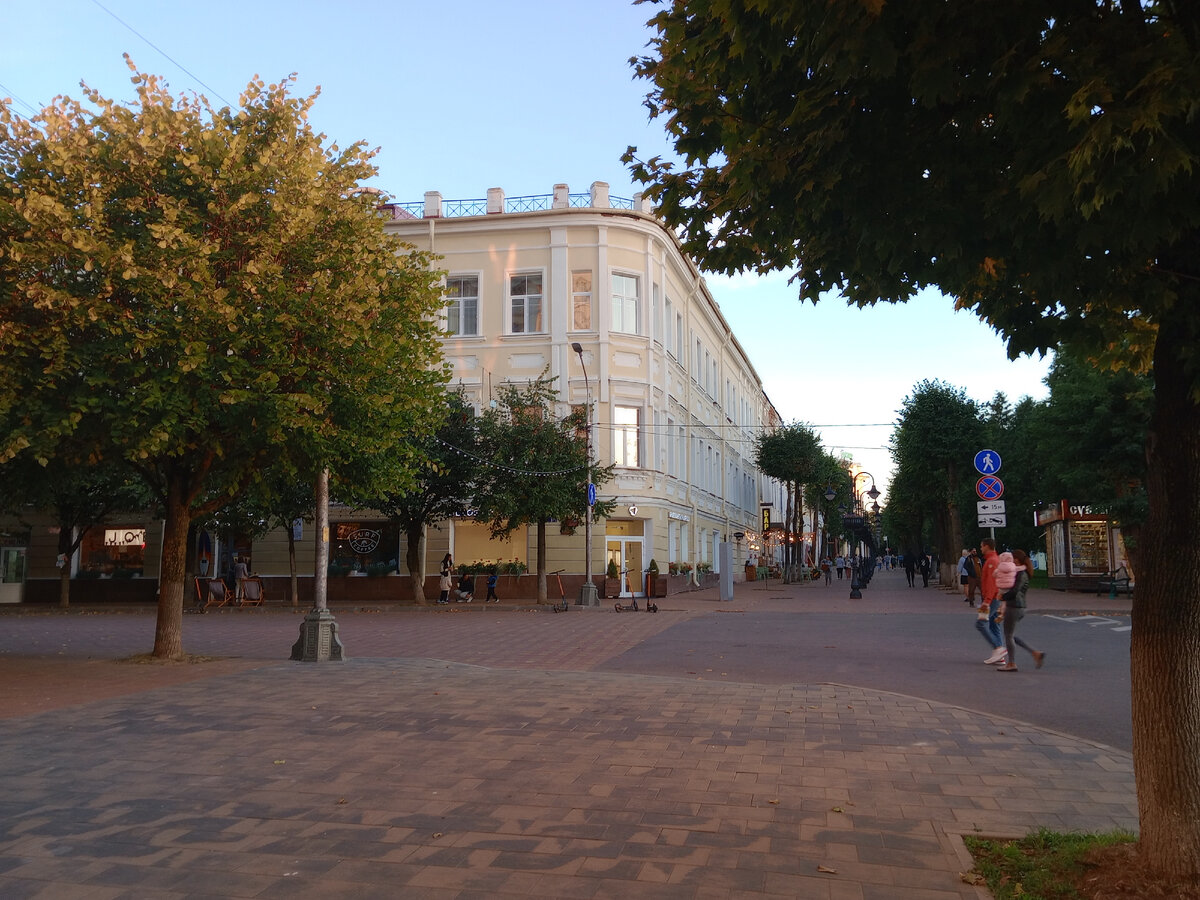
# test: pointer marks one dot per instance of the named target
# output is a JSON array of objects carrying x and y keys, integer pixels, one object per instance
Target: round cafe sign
[{"x": 364, "y": 540}]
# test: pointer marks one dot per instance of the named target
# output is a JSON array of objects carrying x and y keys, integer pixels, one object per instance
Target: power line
[
  {"x": 163, "y": 53},
  {"x": 13, "y": 96}
]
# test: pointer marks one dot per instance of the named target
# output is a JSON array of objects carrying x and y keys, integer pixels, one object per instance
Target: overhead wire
[{"x": 164, "y": 54}]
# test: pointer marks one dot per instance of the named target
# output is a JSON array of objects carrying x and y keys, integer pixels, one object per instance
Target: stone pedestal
[
  {"x": 588, "y": 595},
  {"x": 318, "y": 640}
]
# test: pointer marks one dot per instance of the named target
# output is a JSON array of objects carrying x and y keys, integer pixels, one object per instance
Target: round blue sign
[
  {"x": 987, "y": 462},
  {"x": 989, "y": 487}
]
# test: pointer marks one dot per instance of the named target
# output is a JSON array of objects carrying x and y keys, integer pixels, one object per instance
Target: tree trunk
[
  {"x": 168, "y": 630},
  {"x": 64, "y": 573},
  {"x": 413, "y": 554},
  {"x": 293, "y": 580},
  {"x": 541, "y": 561},
  {"x": 1165, "y": 642}
]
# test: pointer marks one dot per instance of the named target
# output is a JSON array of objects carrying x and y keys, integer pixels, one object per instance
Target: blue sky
[{"x": 463, "y": 96}]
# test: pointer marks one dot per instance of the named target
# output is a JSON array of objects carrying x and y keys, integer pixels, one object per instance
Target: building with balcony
[
  {"x": 675, "y": 406},
  {"x": 676, "y": 402}
]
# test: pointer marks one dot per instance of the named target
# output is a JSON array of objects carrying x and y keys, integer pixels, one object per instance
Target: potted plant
[{"x": 612, "y": 580}]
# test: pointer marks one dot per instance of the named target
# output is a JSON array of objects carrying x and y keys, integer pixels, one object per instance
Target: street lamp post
[
  {"x": 856, "y": 572},
  {"x": 588, "y": 595}
]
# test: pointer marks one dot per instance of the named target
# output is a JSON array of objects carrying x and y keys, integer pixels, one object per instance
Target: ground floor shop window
[
  {"x": 363, "y": 548},
  {"x": 113, "y": 551}
]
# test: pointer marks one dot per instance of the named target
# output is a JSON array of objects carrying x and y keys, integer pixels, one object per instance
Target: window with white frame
[
  {"x": 624, "y": 303},
  {"x": 672, "y": 449},
  {"x": 462, "y": 304},
  {"x": 525, "y": 299},
  {"x": 625, "y": 436},
  {"x": 680, "y": 347},
  {"x": 669, "y": 342},
  {"x": 655, "y": 314},
  {"x": 581, "y": 301}
]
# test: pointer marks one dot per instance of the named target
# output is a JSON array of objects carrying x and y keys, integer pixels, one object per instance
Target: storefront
[
  {"x": 1082, "y": 546},
  {"x": 14, "y": 551}
]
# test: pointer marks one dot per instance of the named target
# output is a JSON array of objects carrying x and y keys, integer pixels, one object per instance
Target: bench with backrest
[{"x": 1115, "y": 582}]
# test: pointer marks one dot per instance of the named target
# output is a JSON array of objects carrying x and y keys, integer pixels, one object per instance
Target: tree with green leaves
[
  {"x": 1090, "y": 438},
  {"x": 534, "y": 466},
  {"x": 445, "y": 485},
  {"x": 938, "y": 433},
  {"x": 1036, "y": 160},
  {"x": 794, "y": 456},
  {"x": 199, "y": 292}
]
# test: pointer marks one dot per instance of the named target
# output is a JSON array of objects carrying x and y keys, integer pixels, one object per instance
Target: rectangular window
[
  {"x": 624, "y": 304},
  {"x": 525, "y": 296},
  {"x": 462, "y": 304},
  {"x": 581, "y": 301},
  {"x": 625, "y": 436},
  {"x": 679, "y": 345},
  {"x": 114, "y": 551},
  {"x": 669, "y": 341},
  {"x": 655, "y": 314}
]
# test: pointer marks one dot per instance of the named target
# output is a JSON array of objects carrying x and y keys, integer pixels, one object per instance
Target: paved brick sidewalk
[{"x": 504, "y": 768}]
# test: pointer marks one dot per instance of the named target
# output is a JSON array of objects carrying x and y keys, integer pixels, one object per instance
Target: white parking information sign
[
  {"x": 989, "y": 506},
  {"x": 993, "y": 520}
]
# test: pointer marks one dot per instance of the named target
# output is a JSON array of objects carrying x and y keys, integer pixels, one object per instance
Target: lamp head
[
  {"x": 577, "y": 347},
  {"x": 830, "y": 493},
  {"x": 873, "y": 493}
]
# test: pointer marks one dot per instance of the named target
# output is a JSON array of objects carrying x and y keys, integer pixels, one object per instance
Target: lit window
[
  {"x": 625, "y": 436},
  {"x": 462, "y": 304},
  {"x": 525, "y": 295},
  {"x": 625, "y": 304}
]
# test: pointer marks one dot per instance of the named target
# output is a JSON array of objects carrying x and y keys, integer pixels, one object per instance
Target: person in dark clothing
[
  {"x": 492, "y": 580},
  {"x": 910, "y": 568},
  {"x": 924, "y": 566}
]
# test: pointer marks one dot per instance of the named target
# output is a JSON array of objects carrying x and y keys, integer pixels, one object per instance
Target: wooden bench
[{"x": 1115, "y": 582}]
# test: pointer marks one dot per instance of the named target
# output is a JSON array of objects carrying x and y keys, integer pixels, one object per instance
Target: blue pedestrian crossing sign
[
  {"x": 989, "y": 487},
  {"x": 987, "y": 462}
]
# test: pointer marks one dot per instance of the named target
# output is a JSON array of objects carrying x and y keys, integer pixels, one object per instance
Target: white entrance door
[
  {"x": 627, "y": 554},
  {"x": 12, "y": 574}
]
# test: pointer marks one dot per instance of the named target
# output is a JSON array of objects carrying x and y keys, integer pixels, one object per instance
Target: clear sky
[{"x": 463, "y": 95}]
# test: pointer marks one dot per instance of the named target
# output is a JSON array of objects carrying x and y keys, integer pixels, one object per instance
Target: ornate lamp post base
[
  {"x": 318, "y": 640},
  {"x": 589, "y": 594}
]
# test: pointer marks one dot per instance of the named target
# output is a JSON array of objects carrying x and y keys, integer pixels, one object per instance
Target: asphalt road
[{"x": 1082, "y": 690}]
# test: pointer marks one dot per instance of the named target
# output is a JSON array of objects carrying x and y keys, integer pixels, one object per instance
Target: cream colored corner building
[{"x": 676, "y": 403}]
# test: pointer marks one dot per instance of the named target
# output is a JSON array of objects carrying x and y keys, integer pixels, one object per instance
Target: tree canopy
[
  {"x": 1036, "y": 160},
  {"x": 198, "y": 291}
]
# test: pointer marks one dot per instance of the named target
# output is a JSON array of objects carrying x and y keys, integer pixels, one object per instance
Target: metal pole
[{"x": 588, "y": 595}]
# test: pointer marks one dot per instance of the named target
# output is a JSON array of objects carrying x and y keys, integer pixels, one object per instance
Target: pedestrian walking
[
  {"x": 444, "y": 585},
  {"x": 989, "y": 603},
  {"x": 924, "y": 565},
  {"x": 1012, "y": 611},
  {"x": 966, "y": 570},
  {"x": 910, "y": 568},
  {"x": 840, "y": 564},
  {"x": 976, "y": 568},
  {"x": 492, "y": 579},
  {"x": 827, "y": 569}
]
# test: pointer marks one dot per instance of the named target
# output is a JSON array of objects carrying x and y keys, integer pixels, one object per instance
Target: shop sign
[
  {"x": 364, "y": 540},
  {"x": 124, "y": 537},
  {"x": 679, "y": 517}
]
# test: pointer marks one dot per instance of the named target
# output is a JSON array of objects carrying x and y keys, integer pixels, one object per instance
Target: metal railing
[{"x": 452, "y": 209}]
